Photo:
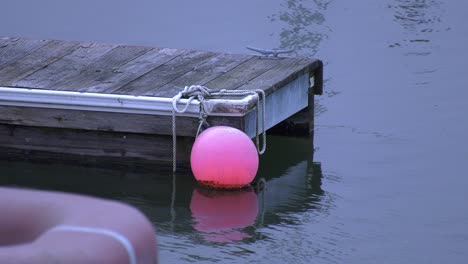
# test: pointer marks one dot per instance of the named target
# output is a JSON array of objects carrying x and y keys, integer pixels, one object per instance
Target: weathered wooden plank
[
  {"x": 91, "y": 120},
  {"x": 132, "y": 70},
  {"x": 36, "y": 60},
  {"x": 12, "y": 49},
  {"x": 200, "y": 75},
  {"x": 102, "y": 66},
  {"x": 106, "y": 121},
  {"x": 98, "y": 144},
  {"x": 65, "y": 67},
  {"x": 146, "y": 71},
  {"x": 280, "y": 75},
  {"x": 5, "y": 40},
  {"x": 6, "y": 44},
  {"x": 244, "y": 72},
  {"x": 166, "y": 73}
]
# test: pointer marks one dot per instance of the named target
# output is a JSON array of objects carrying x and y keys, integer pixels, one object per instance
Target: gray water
[{"x": 387, "y": 181}]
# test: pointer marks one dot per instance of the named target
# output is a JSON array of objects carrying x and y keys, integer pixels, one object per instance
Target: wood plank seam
[
  {"x": 232, "y": 69},
  {"x": 47, "y": 65},
  {"x": 238, "y": 65},
  {"x": 141, "y": 76},
  {"x": 84, "y": 90},
  {"x": 298, "y": 71},
  {"x": 26, "y": 54},
  {"x": 48, "y": 55},
  {"x": 92, "y": 72},
  {"x": 231, "y": 77},
  {"x": 201, "y": 74},
  {"x": 272, "y": 68},
  {"x": 142, "y": 91},
  {"x": 65, "y": 67},
  {"x": 187, "y": 71}
]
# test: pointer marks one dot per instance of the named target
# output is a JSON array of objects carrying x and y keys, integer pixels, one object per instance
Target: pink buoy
[{"x": 224, "y": 157}]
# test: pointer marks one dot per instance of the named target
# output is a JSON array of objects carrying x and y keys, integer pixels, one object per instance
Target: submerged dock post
[{"x": 316, "y": 88}]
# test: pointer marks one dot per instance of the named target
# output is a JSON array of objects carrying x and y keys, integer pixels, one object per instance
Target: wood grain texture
[
  {"x": 12, "y": 49},
  {"x": 166, "y": 73},
  {"x": 101, "y": 121},
  {"x": 280, "y": 75},
  {"x": 106, "y": 121},
  {"x": 65, "y": 67},
  {"x": 103, "y": 66},
  {"x": 200, "y": 75},
  {"x": 243, "y": 73},
  {"x": 132, "y": 70},
  {"x": 93, "y": 143},
  {"x": 36, "y": 60}
]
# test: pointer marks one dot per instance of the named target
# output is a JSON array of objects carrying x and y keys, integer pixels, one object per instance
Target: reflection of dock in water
[{"x": 293, "y": 185}]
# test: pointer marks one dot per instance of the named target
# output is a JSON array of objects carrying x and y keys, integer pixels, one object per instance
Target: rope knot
[
  {"x": 195, "y": 90},
  {"x": 201, "y": 92}
]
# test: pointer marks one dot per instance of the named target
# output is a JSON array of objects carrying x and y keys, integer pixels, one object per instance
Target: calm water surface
[{"x": 388, "y": 180}]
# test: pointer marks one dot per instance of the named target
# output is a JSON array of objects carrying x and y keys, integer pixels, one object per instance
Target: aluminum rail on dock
[{"x": 23, "y": 97}]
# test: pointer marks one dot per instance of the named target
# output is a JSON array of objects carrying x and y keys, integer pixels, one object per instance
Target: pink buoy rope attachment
[{"x": 199, "y": 93}]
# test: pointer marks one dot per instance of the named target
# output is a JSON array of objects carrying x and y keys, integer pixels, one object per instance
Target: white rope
[
  {"x": 200, "y": 93},
  {"x": 102, "y": 231}
]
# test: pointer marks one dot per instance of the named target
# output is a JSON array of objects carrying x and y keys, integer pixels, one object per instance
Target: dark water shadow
[{"x": 177, "y": 206}]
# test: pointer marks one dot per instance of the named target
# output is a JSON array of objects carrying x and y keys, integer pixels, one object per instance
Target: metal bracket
[{"x": 270, "y": 52}]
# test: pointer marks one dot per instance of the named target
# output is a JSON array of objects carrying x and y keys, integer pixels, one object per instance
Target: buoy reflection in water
[{"x": 221, "y": 215}]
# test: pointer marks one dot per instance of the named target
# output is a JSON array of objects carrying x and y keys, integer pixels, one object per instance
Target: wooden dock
[{"x": 87, "y": 101}]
